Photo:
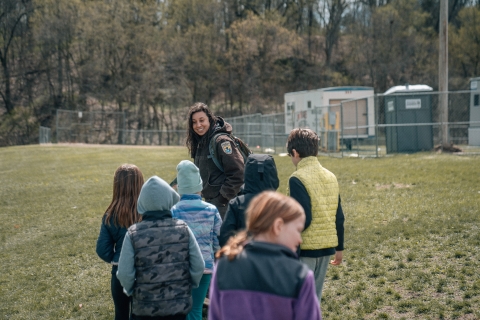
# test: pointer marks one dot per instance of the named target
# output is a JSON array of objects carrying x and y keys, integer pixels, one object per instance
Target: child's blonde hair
[{"x": 261, "y": 214}]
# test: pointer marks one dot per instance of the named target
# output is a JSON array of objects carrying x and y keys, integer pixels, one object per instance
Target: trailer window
[
  {"x": 309, "y": 104},
  {"x": 476, "y": 101}
]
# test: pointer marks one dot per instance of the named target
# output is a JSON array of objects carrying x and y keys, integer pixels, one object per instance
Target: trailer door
[{"x": 354, "y": 114}]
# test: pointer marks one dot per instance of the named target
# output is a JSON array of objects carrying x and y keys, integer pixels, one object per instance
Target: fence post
[
  {"x": 263, "y": 141},
  {"x": 375, "y": 112},
  {"x": 124, "y": 128},
  {"x": 341, "y": 117},
  {"x": 444, "y": 118},
  {"x": 356, "y": 124},
  {"x": 248, "y": 130},
  {"x": 443, "y": 69},
  {"x": 274, "y": 127},
  {"x": 56, "y": 125}
]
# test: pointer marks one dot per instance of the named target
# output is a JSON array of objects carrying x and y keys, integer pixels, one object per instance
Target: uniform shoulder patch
[{"x": 226, "y": 147}]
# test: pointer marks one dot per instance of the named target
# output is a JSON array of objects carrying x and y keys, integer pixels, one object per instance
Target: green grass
[{"x": 412, "y": 232}]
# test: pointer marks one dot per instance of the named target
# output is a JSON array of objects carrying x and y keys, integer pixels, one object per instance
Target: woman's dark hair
[
  {"x": 193, "y": 139},
  {"x": 127, "y": 183},
  {"x": 304, "y": 141}
]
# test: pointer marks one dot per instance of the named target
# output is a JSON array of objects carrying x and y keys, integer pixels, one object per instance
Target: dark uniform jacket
[
  {"x": 260, "y": 175},
  {"x": 219, "y": 185}
]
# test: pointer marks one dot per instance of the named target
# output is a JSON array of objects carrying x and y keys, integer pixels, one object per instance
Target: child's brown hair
[
  {"x": 127, "y": 183},
  {"x": 304, "y": 141}
]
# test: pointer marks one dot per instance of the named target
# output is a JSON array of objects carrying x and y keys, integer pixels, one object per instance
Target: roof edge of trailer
[
  {"x": 409, "y": 88},
  {"x": 351, "y": 88},
  {"x": 329, "y": 89}
]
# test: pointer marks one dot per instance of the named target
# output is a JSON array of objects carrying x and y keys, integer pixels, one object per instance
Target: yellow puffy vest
[{"x": 322, "y": 187}]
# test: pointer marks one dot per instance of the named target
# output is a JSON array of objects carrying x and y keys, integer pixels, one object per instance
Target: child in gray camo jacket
[{"x": 160, "y": 261}]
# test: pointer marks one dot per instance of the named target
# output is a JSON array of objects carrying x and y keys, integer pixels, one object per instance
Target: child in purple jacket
[{"x": 259, "y": 276}]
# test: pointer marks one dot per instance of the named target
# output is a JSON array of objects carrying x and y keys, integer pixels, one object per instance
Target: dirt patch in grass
[{"x": 395, "y": 185}]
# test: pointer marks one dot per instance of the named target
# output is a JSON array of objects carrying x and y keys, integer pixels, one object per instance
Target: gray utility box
[
  {"x": 408, "y": 109},
  {"x": 474, "y": 129}
]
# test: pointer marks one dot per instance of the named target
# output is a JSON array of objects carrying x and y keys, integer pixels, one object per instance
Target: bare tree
[
  {"x": 331, "y": 13},
  {"x": 14, "y": 25}
]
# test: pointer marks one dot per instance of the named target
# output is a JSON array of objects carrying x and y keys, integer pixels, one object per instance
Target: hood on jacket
[
  {"x": 220, "y": 126},
  {"x": 260, "y": 174},
  {"x": 156, "y": 195}
]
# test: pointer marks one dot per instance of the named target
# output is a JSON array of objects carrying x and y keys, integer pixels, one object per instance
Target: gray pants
[{"x": 319, "y": 267}]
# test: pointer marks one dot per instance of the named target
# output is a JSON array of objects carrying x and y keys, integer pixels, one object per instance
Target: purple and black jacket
[{"x": 265, "y": 281}]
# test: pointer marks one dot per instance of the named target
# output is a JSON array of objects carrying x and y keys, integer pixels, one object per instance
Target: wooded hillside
[{"x": 154, "y": 58}]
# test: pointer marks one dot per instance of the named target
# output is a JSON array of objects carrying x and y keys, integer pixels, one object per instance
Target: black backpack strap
[
  {"x": 260, "y": 168},
  {"x": 212, "y": 149}
]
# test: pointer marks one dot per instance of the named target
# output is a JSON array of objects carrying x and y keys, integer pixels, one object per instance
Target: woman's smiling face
[{"x": 200, "y": 123}]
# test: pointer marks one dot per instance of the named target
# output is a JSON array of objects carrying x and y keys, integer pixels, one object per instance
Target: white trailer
[
  {"x": 474, "y": 129},
  {"x": 351, "y": 108}
]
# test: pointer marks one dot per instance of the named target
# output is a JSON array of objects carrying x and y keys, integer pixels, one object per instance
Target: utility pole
[{"x": 443, "y": 70}]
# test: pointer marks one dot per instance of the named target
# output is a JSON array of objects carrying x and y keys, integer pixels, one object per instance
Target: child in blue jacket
[{"x": 204, "y": 220}]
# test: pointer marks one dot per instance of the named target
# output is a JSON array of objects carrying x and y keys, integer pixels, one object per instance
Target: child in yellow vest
[{"x": 316, "y": 189}]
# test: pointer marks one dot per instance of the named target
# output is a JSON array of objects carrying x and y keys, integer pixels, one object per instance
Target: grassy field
[{"x": 412, "y": 232}]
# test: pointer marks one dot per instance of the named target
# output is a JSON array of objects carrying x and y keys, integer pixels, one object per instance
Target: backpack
[{"x": 241, "y": 146}]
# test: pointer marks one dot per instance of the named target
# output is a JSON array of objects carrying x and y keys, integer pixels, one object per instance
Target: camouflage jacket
[{"x": 163, "y": 282}]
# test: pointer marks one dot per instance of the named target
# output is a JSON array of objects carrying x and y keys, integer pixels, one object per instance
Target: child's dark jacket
[
  {"x": 109, "y": 242},
  {"x": 260, "y": 175}
]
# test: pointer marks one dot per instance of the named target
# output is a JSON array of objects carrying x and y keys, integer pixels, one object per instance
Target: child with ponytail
[{"x": 258, "y": 274}]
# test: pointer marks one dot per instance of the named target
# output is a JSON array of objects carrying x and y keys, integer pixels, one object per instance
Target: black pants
[
  {"x": 222, "y": 207},
  {"x": 120, "y": 300}
]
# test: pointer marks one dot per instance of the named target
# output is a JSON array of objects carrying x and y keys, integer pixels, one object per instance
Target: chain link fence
[
  {"x": 154, "y": 137},
  {"x": 93, "y": 127},
  {"x": 367, "y": 127},
  {"x": 371, "y": 126},
  {"x": 44, "y": 135},
  {"x": 262, "y": 133},
  {"x": 97, "y": 127}
]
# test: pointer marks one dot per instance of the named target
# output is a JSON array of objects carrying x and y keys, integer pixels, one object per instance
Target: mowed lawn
[{"x": 412, "y": 232}]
